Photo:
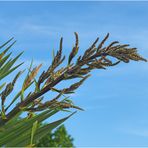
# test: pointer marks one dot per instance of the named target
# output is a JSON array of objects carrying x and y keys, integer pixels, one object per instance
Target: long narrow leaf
[
  {"x": 34, "y": 128},
  {"x": 9, "y": 64},
  {"x": 3, "y": 60},
  {"x": 24, "y": 139},
  {"x": 23, "y": 126},
  {"x": 4, "y": 52},
  {"x": 6, "y": 42},
  {"x": 8, "y": 72},
  {"x": 1, "y": 87}
]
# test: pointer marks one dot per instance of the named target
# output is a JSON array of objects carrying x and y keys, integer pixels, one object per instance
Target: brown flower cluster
[{"x": 95, "y": 57}]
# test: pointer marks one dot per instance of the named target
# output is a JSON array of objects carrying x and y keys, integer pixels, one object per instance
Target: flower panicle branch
[{"x": 95, "y": 57}]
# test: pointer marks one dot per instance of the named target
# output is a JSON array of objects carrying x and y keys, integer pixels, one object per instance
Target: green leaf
[
  {"x": 3, "y": 60},
  {"x": 10, "y": 71},
  {"x": 4, "y": 52},
  {"x": 24, "y": 139},
  {"x": 1, "y": 87},
  {"x": 9, "y": 64},
  {"x": 53, "y": 54},
  {"x": 34, "y": 128},
  {"x": 21, "y": 127},
  {"x": 3, "y": 115},
  {"x": 6, "y": 42}
]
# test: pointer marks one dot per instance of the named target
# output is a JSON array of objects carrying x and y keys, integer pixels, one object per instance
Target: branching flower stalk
[{"x": 95, "y": 57}]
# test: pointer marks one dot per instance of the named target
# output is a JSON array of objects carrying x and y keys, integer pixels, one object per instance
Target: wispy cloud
[
  {"x": 136, "y": 126},
  {"x": 135, "y": 131}
]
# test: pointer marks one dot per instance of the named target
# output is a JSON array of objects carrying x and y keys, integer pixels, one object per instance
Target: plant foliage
[
  {"x": 58, "y": 138},
  {"x": 26, "y": 131}
]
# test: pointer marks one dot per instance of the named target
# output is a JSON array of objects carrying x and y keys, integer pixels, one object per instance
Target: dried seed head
[
  {"x": 74, "y": 50},
  {"x": 6, "y": 92},
  {"x": 136, "y": 57},
  {"x": 110, "y": 45},
  {"x": 31, "y": 76},
  {"x": 103, "y": 41},
  {"x": 64, "y": 105},
  {"x": 16, "y": 77},
  {"x": 43, "y": 77},
  {"x": 75, "y": 85}
]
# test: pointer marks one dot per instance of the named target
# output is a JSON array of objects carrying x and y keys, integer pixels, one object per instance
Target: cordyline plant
[{"x": 27, "y": 130}]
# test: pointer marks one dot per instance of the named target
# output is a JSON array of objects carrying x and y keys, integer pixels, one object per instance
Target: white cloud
[
  {"x": 135, "y": 127},
  {"x": 39, "y": 29},
  {"x": 137, "y": 131}
]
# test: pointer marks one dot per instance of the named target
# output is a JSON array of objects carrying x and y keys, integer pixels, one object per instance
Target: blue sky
[{"x": 115, "y": 100}]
